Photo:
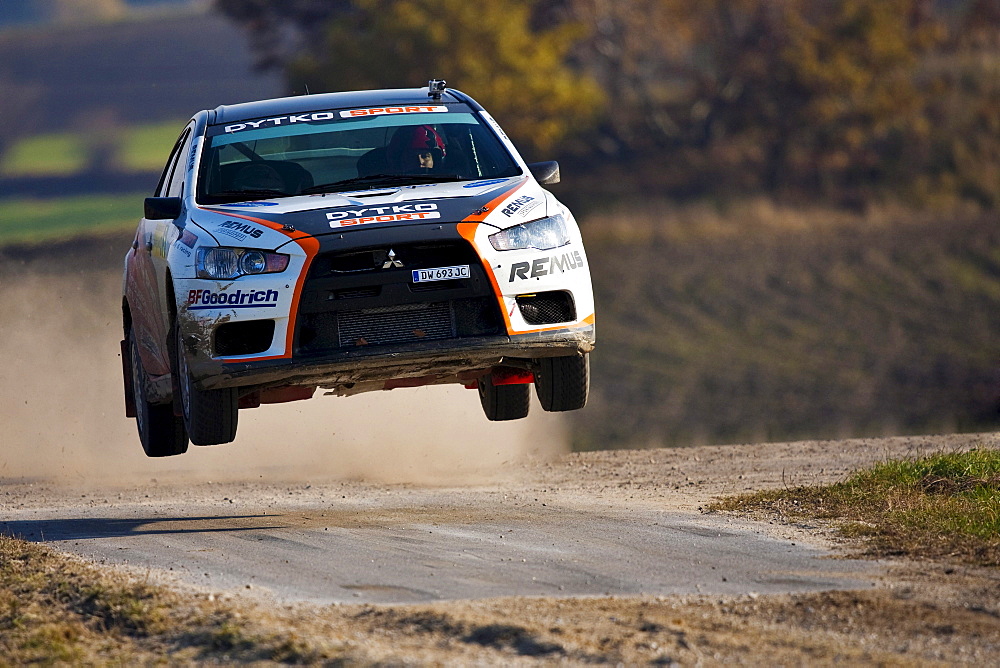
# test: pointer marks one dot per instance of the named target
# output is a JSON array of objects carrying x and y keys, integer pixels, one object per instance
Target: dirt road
[
  {"x": 342, "y": 543},
  {"x": 603, "y": 523},
  {"x": 556, "y": 548}
]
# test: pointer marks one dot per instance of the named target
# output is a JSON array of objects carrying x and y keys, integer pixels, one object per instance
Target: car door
[{"x": 146, "y": 278}]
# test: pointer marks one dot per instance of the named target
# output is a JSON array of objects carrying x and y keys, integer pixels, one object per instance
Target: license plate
[{"x": 440, "y": 273}]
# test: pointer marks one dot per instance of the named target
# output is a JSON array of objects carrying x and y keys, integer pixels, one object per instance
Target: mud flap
[
  {"x": 175, "y": 382},
  {"x": 127, "y": 377}
]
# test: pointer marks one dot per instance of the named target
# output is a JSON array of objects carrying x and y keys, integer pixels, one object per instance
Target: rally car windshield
[{"x": 335, "y": 152}]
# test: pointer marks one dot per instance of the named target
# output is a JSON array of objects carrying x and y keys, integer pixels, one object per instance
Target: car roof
[{"x": 299, "y": 104}]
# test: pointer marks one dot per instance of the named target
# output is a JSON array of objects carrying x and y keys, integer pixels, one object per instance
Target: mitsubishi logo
[{"x": 392, "y": 261}]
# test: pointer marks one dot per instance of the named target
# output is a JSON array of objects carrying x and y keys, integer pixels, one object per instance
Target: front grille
[
  {"x": 351, "y": 298},
  {"x": 413, "y": 256},
  {"x": 409, "y": 323},
  {"x": 356, "y": 293},
  {"x": 435, "y": 286},
  {"x": 395, "y": 324}
]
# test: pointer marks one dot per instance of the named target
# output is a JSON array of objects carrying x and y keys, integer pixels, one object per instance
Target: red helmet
[{"x": 415, "y": 139}]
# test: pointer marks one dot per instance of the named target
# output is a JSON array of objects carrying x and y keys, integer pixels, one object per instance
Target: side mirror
[
  {"x": 545, "y": 173},
  {"x": 162, "y": 208}
]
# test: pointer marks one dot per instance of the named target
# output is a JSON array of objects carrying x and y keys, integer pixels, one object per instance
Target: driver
[{"x": 415, "y": 149}]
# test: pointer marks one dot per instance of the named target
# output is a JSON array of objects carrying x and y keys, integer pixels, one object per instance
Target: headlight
[
  {"x": 541, "y": 234},
  {"x": 230, "y": 263}
]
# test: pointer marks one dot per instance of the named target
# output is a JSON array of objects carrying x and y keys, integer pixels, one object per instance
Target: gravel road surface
[{"x": 602, "y": 523}]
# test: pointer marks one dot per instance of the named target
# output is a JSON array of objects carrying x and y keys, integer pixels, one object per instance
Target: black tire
[
  {"x": 504, "y": 402},
  {"x": 161, "y": 433},
  {"x": 210, "y": 416},
  {"x": 563, "y": 383}
]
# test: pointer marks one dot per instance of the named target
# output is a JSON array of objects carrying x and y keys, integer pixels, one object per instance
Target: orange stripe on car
[
  {"x": 310, "y": 245},
  {"x": 467, "y": 230},
  {"x": 485, "y": 210}
]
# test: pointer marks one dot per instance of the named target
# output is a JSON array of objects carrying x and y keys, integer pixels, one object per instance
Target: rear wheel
[
  {"x": 503, "y": 402},
  {"x": 160, "y": 432},
  {"x": 209, "y": 415},
  {"x": 563, "y": 383}
]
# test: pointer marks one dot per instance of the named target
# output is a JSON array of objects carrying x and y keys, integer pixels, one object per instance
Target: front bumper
[{"x": 383, "y": 367}]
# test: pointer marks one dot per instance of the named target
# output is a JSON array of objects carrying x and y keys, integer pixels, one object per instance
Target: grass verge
[
  {"x": 58, "y": 610},
  {"x": 55, "y": 610},
  {"x": 133, "y": 148},
  {"x": 944, "y": 505},
  {"x": 28, "y": 221}
]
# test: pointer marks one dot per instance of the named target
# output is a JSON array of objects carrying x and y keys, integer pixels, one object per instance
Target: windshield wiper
[{"x": 382, "y": 179}]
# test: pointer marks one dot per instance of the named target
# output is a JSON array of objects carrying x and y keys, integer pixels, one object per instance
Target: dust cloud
[{"x": 62, "y": 413}]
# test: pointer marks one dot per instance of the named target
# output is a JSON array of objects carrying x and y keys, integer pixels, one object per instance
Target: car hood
[{"x": 498, "y": 202}]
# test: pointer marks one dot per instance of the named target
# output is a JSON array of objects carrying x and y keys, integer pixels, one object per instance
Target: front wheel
[
  {"x": 563, "y": 383},
  {"x": 160, "y": 432},
  {"x": 503, "y": 402},
  {"x": 209, "y": 415}
]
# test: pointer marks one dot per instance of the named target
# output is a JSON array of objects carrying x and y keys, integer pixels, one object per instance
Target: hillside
[
  {"x": 761, "y": 326},
  {"x": 132, "y": 71}
]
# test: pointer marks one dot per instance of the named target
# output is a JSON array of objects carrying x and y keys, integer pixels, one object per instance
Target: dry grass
[
  {"x": 945, "y": 505},
  {"x": 660, "y": 220},
  {"x": 58, "y": 610},
  {"x": 754, "y": 322},
  {"x": 54, "y": 610}
]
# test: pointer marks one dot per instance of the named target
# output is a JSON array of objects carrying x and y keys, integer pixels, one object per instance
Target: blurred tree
[
  {"x": 963, "y": 153},
  {"x": 640, "y": 51},
  {"x": 787, "y": 93},
  {"x": 981, "y": 25},
  {"x": 72, "y": 11},
  {"x": 841, "y": 98},
  {"x": 490, "y": 50},
  {"x": 281, "y": 30},
  {"x": 839, "y": 95}
]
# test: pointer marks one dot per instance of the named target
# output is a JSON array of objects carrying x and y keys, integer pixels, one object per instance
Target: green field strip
[{"x": 27, "y": 220}]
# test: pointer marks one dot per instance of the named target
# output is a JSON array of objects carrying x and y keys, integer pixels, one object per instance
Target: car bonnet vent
[{"x": 384, "y": 192}]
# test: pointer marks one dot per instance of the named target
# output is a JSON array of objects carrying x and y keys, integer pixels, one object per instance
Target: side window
[
  {"x": 176, "y": 187},
  {"x": 168, "y": 170}
]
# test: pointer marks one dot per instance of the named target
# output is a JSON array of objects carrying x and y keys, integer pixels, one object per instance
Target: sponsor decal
[
  {"x": 545, "y": 266},
  {"x": 496, "y": 126},
  {"x": 238, "y": 230},
  {"x": 282, "y": 120},
  {"x": 188, "y": 238},
  {"x": 162, "y": 240},
  {"x": 242, "y": 205},
  {"x": 522, "y": 204},
  {"x": 480, "y": 184},
  {"x": 379, "y": 111},
  {"x": 199, "y": 300},
  {"x": 383, "y": 214}
]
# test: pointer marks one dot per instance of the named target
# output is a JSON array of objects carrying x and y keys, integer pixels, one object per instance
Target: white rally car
[{"x": 351, "y": 242}]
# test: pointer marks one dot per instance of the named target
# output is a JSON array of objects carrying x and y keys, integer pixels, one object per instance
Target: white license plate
[{"x": 440, "y": 273}]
